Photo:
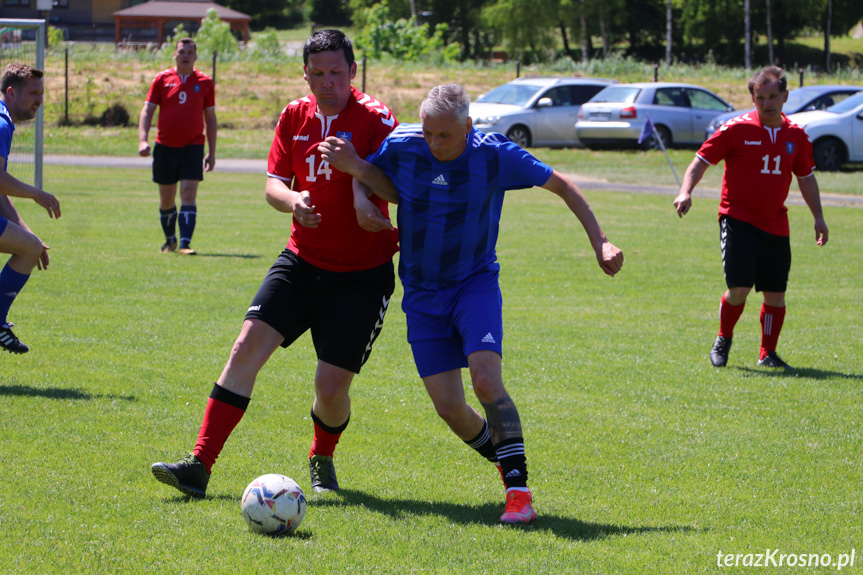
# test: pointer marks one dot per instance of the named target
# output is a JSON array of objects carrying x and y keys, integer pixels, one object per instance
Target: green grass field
[{"x": 643, "y": 457}]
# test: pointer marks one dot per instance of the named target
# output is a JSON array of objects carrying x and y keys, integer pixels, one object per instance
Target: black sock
[
  {"x": 188, "y": 217},
  {"x": 510, "y": 453},
  {"x": 482, "y": 443},
  {"x": 168, "y": 219}
]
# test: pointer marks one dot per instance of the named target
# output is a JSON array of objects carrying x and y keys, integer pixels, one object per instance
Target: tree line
[{"x": 725, "y": 31}]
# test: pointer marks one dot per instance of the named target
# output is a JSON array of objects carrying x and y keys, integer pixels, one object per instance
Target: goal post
[{"x": 23, "y": 41}]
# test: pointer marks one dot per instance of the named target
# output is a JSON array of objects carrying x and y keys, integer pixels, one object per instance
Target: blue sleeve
[
  {"x": 383, "y": 158},
  {"x": 519, "y": 169},
  {"x": 5, "y": 138}
]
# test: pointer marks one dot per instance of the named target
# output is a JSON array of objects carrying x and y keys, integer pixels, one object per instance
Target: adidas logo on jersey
[
  {"x": 440, "y": 181},
  {"x": 488, "y": 338}
]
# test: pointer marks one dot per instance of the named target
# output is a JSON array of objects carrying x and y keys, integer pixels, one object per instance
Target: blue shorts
[
  {"x": 3, "y": 223},
  {"x": 446, "y": 326}
]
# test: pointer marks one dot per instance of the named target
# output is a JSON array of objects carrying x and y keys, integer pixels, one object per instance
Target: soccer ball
[{"x": 273, "y": 504}]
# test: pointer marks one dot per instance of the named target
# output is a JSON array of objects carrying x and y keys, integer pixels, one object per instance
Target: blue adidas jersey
[
  {"x": 449, "y": 212},
  {"x": 6, "y": 129}
]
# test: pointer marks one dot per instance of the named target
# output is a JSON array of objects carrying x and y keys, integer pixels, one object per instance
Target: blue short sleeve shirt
[
  {"x": 449, "y": 212},
  {"x": 6, "y": 129}
]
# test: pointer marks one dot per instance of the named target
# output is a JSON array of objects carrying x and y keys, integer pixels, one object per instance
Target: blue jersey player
[{"x": 449, "y": 181}]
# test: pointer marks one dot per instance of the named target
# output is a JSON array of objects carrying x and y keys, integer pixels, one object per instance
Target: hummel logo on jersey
[
  {"x": 751, "y": 143},
  {"x": 301, "y": 138},
  {"x": 440, "y": 181},
  {"x": 488, "y": 338},
  {"x": 255, "y": 308}
]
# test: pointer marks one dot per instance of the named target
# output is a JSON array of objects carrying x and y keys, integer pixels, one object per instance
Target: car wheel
[
  {"x": 663, "y": 133},
  {"x": 829, "y": 154},
  {"x": 519, "y": 135}
]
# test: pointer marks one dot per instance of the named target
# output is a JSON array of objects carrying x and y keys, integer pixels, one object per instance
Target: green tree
[
  {"x": 403, "y": 39},
  {"x": 330, "y": 12},
  {"x": 215, "y": 36}
]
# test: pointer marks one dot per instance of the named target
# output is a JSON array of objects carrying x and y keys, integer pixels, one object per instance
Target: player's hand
[
  {"x": 340, "y": 154},
  {"x": 610, "y": 258},
  {"x": 43, "y": 258},
  {"x": 49, "y": 202},
  {"x": 143, "y": 149},
  {"x": 682, "y": 203},
  {"x": 370, "y": 217},
  {"x": 304, "y": 211},
  {"x": 209, "y": 162},
  {"x": 821, "y": 232}
]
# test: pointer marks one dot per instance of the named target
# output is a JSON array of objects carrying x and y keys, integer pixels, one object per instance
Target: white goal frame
[{"x": 39, "y": 121}]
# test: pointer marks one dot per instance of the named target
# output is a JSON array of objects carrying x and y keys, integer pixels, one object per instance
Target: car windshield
[
  {"x": 514, "y": 94},
  {"x": 847, "y": 104},
  {"x": 798, "y": 97},
  {"x": 620, "y": 94}
]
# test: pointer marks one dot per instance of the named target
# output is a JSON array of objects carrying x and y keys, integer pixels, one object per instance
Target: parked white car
[
  {"x": 836, "y": 133},
  {"x": 535, "y": 111}
]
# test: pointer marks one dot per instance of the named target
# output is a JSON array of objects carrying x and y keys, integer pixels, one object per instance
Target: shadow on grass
[
  {"x": 58, "y": 393},
  {"x": 237, "y": 256},
  {"x": 485, "y": 514},
  {"x": 807, "y": 372}
]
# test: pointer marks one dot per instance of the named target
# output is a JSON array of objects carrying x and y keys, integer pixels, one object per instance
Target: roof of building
[{"x": 188, "y": 10}]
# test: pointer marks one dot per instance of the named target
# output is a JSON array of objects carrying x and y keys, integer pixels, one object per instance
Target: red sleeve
[
  {"x": 279, "y": 160},
  {"x": 804, "y": 163},
  {"x": 154, "y": 96},
  {"x": 714, "y": 149}
]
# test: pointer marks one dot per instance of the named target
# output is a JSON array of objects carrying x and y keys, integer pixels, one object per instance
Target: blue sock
[
  {"x": 11, "y": 282},
  {"x": 188, "y": 215}
]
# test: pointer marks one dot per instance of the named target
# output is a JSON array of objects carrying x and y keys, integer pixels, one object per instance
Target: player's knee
[
  {"x": 487, "y": 387},
  {"x": 31, "y": 248},
  {"x": 451, "y": 412}
]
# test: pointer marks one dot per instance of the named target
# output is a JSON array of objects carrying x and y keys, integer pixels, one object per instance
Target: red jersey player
[
  {"x": 187, "y": 101},
  {"x": 334, "y": 278},
  {"x": 761, "y": 151}
]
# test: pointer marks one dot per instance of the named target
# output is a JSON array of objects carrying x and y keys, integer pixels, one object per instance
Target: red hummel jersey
[
  {"x": 181, "y": 106},
  {"x": 338, "y": 243},
  {"x": 759, "y": 163}
]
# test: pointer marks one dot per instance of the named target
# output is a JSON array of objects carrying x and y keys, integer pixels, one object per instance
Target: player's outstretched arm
[
  {"x": 609, "y": 256},
  {"x": 693, "y": 175},
  {"x": 11, "y": 186},
  {"x": 812, "y": 196}
]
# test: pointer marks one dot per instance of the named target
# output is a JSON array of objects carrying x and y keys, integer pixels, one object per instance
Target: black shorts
[
  {"x": 344, "y": 310},
  {"x": 753, "y": 257},
  {"x": 170, "y": 165}
]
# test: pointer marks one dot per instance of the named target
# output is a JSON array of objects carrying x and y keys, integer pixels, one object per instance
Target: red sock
[
  {"x": 326, "y": 437},
  {"x": 728, "y": 316},
  {"x": 772, "y": 319},
  {"x": 220, "y": 419}
]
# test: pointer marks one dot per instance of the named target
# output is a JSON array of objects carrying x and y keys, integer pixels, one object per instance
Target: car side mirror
[{"x": 544, "y": 103}]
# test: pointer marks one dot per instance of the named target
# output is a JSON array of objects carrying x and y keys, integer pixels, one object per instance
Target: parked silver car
[
  {"x": 836, "y": 133},
  {"x": 535, "y": 111},
  {"x": 803, "y": 99},
  {"x": 680, "y": 113}
]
